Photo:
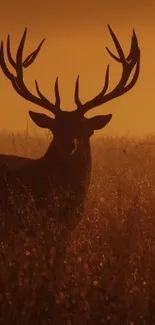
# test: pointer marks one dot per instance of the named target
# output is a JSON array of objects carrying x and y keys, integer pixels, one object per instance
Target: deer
[
  {"x": 66, "y": 165},
  {"x": 64, "y": 171}
]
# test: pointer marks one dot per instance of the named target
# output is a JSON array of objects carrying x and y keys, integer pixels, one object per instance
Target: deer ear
[
  {"x": 98, "y": 122},
  {"x": 42, "y": 120}
]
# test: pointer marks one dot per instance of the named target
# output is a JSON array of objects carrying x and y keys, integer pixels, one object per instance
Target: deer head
[{"x": 70, "y": 128}]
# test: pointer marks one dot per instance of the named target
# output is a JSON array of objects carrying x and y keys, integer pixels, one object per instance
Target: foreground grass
[{"x": 109, "y": 267}]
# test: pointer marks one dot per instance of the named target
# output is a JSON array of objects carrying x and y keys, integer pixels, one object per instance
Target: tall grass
[{"x": 109, "y": 267}]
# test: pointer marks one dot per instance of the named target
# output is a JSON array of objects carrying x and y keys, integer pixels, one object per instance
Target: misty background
[{"x": 76, "y": 35}]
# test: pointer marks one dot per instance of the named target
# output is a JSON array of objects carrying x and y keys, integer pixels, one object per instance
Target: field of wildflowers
[{"x": 108, "y": 274}]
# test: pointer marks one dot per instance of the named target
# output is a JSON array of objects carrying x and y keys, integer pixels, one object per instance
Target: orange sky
[{"x": 76, "y": 35}]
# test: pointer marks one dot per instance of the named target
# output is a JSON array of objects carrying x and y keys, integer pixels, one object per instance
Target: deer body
[
  {"x": 11, "y": 162},
  {"x": 54, "y": 171},
  {"x": 65, "y": 168}
]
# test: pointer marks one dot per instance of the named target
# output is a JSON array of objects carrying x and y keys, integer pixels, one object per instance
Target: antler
[
  {"x": 18, "y": 81},
  {"x": 128, "y": 63}
]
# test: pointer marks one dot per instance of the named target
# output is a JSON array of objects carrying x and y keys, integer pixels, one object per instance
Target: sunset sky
[{"x": 76, "y": 35}]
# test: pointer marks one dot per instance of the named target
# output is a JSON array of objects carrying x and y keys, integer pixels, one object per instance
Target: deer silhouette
[{"x": 66, "y": 166}]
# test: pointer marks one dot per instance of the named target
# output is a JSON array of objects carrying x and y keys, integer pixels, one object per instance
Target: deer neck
[{"x": 79, "y": 162}]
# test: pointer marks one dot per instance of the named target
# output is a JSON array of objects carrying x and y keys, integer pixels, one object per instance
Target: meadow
[{"x": 109, "y": 267}]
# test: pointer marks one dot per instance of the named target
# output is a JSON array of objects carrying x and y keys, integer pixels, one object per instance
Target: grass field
[{"x": 109, "y": 268}]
